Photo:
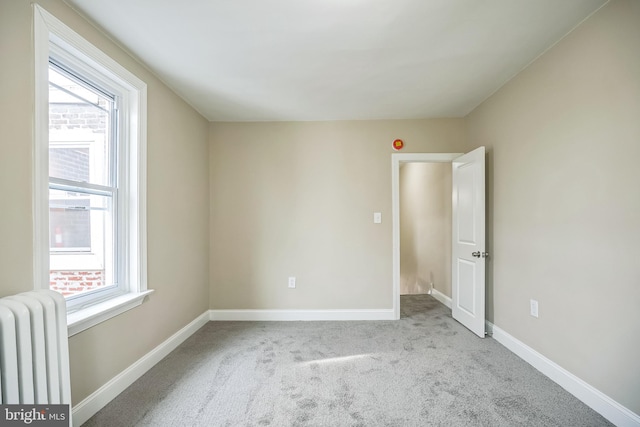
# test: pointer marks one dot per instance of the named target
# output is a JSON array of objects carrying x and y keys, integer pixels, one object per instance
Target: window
[
  {"x": 89, "y": 176},
  {"x": 83, "y": 185}
]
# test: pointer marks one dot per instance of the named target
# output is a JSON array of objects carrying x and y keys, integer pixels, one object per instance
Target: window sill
[{"x": 86, "y": 318}]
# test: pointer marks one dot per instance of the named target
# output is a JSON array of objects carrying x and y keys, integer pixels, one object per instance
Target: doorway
[
  {"x": 467, "y": 234},
  {"x": 425, "y": 229},
  {"x": 397, "y": 160}
]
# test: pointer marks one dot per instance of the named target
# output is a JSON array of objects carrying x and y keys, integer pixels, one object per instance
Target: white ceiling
[{"x": 246, "y": 60}]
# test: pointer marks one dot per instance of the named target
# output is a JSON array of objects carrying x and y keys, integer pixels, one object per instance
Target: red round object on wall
[{"x": 398, "y": 144}]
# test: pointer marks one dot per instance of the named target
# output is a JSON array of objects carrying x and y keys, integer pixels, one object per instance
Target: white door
[{"x": 468, "y": 227}]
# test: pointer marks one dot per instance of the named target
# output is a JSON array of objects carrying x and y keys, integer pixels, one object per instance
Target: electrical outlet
[
  {"x": 377, "y": 217},
  {"x": 292, "y": 282},
  {"x": 534, "y": 308}
]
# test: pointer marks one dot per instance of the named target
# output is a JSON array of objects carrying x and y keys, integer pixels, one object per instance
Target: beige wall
[
  {"x": 564, "y": 203},
  {"x": 177, "y": 203},
  {"x": 425, "y": 227},
  {"x": 297, "y": 199}
]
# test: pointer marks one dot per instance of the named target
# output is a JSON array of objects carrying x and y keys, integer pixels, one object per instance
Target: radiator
[{"x": 34, "y": 350}]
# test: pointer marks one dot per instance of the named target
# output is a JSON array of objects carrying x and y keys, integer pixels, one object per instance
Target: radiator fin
[{"x": 34, "y": 352}]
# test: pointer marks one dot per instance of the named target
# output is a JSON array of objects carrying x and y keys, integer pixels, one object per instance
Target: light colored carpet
[{"x": 423, "y": 370}]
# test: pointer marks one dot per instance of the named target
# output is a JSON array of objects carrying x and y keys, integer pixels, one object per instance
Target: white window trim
[{"x": 47, "y": 28}]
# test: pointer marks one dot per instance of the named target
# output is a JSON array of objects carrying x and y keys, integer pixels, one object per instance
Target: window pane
[
  {"x": 69, "y": 163},
  {"x": 70, "y": 222},
  {"x": 81, "y": 242},
  {"x": 79, "y": 127}
]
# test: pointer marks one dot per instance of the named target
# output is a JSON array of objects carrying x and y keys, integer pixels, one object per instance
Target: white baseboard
[
  {"x": 289, "y": 315},
  {"x": 105, "y": 394},
  {"x": 595, "y": 399},
  {"x": 441, "y": 297}
]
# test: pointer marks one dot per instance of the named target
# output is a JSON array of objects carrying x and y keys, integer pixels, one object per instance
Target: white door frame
[{"x": 396, "y": 159}]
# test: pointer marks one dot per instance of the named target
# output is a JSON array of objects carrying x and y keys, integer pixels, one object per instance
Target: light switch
[{"x": 377, "y": 217}]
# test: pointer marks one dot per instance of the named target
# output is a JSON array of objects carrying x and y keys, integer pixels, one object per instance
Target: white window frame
[{"x": 49, "y": 32}]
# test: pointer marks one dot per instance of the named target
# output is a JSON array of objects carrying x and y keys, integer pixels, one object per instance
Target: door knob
[
  {"x": 485, "y": 254},
  {"x": 475, "y": 254}
]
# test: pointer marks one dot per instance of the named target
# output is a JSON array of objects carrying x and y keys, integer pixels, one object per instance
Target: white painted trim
[
  {"x": 85, "y": 318},
  {"x": 40, "y": 150},
  {"x": 105, "y": 394},
  {"x": 292, "y": 315},
  {"x": 592, "y": 397},
  {"x": 488, "y": 326},
  {"x": 396, "y": 159},
  {"x": 441, "y": 297}
]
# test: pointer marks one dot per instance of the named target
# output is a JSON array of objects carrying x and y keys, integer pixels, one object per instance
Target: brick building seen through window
[{"x": 78, "y": 151}]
